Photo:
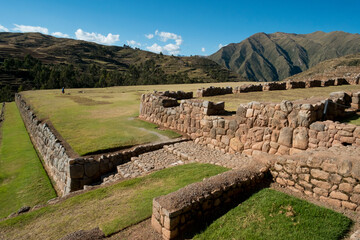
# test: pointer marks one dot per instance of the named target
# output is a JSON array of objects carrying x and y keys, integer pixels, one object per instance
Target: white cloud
[
  {"x": 203, "y": 49},
  {"x": 155, "y": 48},
  {"x": 24, "y": 28},
  {"x": 167, "y": 49},
  {"x": 149, "y": 36},
  {"x": 164, "y": 36},
  {"x": 97, "y": 37},
  {"x": 133, "y": 43},
  {"x": 3, "y": 29},
  {"x": 170, "y": 48},
  {"x": 220, "y": 45},
  {"x": 60, "y": 34}
]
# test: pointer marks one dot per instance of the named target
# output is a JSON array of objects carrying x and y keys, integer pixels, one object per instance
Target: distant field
[
  {"x": 273, "y": 215},
  {"x": 111, "y": 208},
  {"x": 23, "y": 181},
  {"x": 101, "y": 118},
  {"x": 232, "y": 101}
]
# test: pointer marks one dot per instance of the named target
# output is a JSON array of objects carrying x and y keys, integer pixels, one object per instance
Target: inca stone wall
[
  {"x": 70, "y": 173},
  {"x": 330, "y": 175},
  {"x": 54, "y": 156},
  {"x": 271, "y": 86},
  {"x": 284, "y": 128},
  {"x": 177, "y": 213},
  {"x": 213, "y": 91},
  {"x": 2, "y": 112}
]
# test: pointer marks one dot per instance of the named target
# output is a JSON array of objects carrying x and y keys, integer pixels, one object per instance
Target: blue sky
[{"x": 176, "y": 27}]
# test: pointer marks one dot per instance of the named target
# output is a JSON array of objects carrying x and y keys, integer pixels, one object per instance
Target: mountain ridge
[{"x": 275, "y": 56}]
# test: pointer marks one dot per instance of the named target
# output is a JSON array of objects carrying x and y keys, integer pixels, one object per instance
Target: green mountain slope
[
  {"x": 273, "y": 57},
  {"x": 346, "y": 66},
  {"x": 131, "y": 66}
]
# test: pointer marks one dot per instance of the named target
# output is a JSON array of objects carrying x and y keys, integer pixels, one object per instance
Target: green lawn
[
  {"x": 269, "y": 214},
  {"x": 23, "y": 181},
  {"x": 102, "y": 118},
  {"x": 111, "y": 208}
]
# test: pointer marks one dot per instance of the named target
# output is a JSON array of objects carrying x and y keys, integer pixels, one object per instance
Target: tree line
[{"x": 38, "y": 75}]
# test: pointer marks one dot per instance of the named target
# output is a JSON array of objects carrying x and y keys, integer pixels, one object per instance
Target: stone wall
[
  {"x": 273, "y": 128},
  {"x": 330, "y": 175},
  {"x": 2, "y": 112},
  {"x": 68, "y": 171},
  {"x": 213, "y": 91},
  {"x": 178, "y": 213},
  {"x": 271, "y": 86},
  {"x": 88, "y": 170},
  {"x": 52, "y": 151}
]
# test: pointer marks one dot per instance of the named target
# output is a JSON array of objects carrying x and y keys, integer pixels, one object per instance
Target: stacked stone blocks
[{"x": 180, "y": 212}]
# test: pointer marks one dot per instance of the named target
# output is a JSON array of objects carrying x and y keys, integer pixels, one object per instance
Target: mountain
[
  {"x": 273, "y": 57},
  {"x": 346, "y": 66},
  {"x": 52, "y": 56}
]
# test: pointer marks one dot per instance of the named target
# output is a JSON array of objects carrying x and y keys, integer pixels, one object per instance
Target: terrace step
[{"x": 178, "y": 154}]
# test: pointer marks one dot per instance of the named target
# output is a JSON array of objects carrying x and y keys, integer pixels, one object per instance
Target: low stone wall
[
  {"x": 86, "y": 171},
  {"x": 273, "y": 128},
  {"x": 178, "y": 94},
  {"x": 271, "y": 86},
  {"x": 330, "y": 175},
  {"x": 178, "y": 213},
  {"x": 213, "y": 91},
  {"x": 248, "y": 88},
  {"x": 68, "y": 172},
  {"x": 2, "y": 112},
  {"x": 52, "y": 151}
]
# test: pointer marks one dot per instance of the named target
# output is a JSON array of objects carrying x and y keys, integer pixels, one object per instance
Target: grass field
[
  {"x": 23, "y": 181},
  {"x": 111, "y": 208},
  {"x": 97, "y": 119},
  {"x": 232, "y": 101},
  {"x": 269, "y": 214}
]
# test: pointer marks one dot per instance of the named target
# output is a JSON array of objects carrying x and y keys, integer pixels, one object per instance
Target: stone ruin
[
  {"x": 272, "y": 86},
  {"x": 297, "y": 145}
]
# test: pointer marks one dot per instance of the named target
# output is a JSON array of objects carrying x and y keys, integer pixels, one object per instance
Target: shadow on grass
[
  {"x": 354, "y": 118},
  {"x": 205, "y": 221}
]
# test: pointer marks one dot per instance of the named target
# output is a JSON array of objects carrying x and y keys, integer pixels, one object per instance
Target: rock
[
  {"x": 285, "y": 136},
  {"x": 23, "y": 209},
  {"x": 300, "y": 138},
  {"x": 317, "y": 126},
  {"x": 76, "y": 171},
  {"x": 236, "y": 144},
  {"x": 92, "y": 169}
]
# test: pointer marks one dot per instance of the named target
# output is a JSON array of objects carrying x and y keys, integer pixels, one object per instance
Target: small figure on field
[{"x": 63, "y": 90}]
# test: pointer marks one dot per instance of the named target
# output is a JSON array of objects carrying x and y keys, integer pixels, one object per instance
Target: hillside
[
  {"x": 347, "y": 66},
  {"x": 273, "y": 57},
  {"x": 92, "y": 64}
]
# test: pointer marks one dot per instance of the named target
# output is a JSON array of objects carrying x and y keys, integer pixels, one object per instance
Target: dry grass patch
[{"x": 232, "y": 101}]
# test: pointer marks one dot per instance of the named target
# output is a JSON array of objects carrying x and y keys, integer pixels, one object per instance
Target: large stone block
[
  {"x": 285, "y": 136},
  {"x": 92, "y": 169},
  {"x": 76, "y": 171},
  {"x": 300, "y": 138}
]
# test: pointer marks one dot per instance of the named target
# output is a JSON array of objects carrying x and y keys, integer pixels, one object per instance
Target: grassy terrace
[
  {"x": 97, "y": 119},
  {"x": 23, "y": 181},
  {"x": 269, "y": 214},
  {"x": 111, "y": 208}
]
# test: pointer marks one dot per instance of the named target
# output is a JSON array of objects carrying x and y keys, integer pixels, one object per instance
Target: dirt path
[
  {"x": 161, "y": 137},
  {"x": 142, "y": 230}
]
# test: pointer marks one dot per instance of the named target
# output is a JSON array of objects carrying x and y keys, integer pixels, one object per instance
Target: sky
[{"x": 176, "y": 27}]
